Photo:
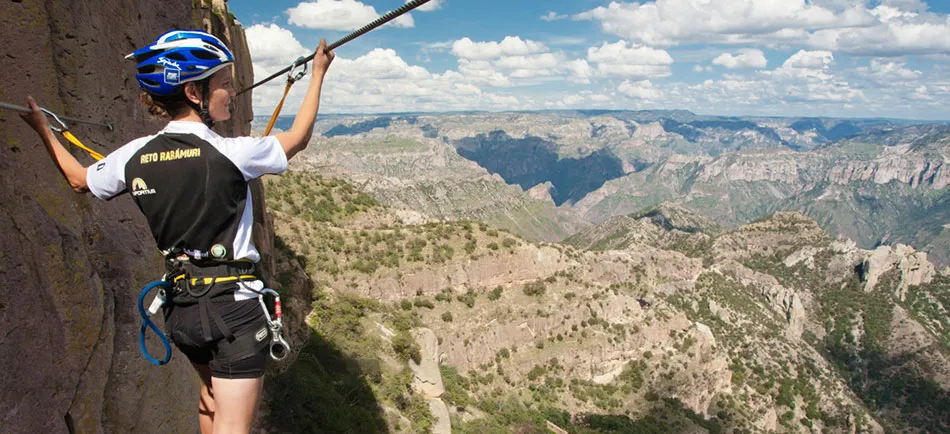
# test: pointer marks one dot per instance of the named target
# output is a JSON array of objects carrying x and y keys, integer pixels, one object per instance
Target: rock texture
[
  {"x": 72, "y": 265},
  {"x": 912, "y": 265},
  {"x": 427, "y": 379}
]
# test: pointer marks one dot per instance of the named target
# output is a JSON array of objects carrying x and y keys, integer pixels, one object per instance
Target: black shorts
[{"x": 245, "y": 319}]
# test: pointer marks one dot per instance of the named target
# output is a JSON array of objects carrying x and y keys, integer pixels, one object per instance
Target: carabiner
[
  {"x": 279, "y": 348},
  {"x": 62, "y": 125},
  {"x": 300, "y": 62}
]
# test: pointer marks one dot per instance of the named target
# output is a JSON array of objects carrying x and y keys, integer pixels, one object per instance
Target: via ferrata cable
[
  {"x": 62, "y": 128},
  {"x": 391, "y": 15}
]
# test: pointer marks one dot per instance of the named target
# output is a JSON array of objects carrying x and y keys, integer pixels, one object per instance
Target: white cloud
[
  {"x": 553, "y": 16},
  {"x": 429, "y": 7},
  {"x": 809, "y": 60},
  {"x": 580, "y": 71},
  {"x": 630, "y": 60},
  {"x": 642, "y": 89},
  {"x": 891, "y": 28},
  {"x": 343, "y": 15},
  {"x": 748, "y": 58},
  {"x": 573, "y": 100},
  {"x": 465, "y": 48},
  {"x": 273, "y": 47},
  {"x": 889, "y": 72}
]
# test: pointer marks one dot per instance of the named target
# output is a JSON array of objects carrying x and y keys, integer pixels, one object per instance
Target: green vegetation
[{"x": 537, "y": 288}]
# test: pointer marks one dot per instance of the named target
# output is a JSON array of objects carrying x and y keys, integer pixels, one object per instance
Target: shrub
[
  {"x": 447, "y": 316},
  {"x": 534, "y": 288},
  {"x": 405, "y": 304},
  {"x": 423, "y": 302},
  {"x": 406, "y": 347},
  {"x": 495, "y": 294},
  {"x": 468, "y": 298}
]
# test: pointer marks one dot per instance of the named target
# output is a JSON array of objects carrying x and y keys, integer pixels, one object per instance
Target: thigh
[{"x": 236, "y": 401}]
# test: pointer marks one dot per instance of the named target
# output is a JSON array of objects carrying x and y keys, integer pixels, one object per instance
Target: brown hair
[
  {"x": 176, "y": 104},
  {"x": 165, "y": 107}
]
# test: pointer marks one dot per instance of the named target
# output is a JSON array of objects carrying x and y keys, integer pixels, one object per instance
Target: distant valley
[{"x": 548, "y": 175}]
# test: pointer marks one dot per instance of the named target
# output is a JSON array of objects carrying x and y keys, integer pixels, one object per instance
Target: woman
[{"x": 192, "y": 186}]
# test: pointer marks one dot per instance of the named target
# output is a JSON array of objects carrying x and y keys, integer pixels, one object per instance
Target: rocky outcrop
[
  {"x": 427, "y": 379},
  {"x": 913, "y": 267},
  {"x": 72, "y": 265}
]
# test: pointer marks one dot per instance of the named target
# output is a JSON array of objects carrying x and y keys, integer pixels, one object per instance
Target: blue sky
[{"x": 846, "y": 58}]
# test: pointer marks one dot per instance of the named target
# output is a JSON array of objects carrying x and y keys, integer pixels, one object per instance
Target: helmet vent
[
  {"x": 176, "y": 56},
  {"x": 145, "y": 56},
  {"x": 204, "y": 55}
]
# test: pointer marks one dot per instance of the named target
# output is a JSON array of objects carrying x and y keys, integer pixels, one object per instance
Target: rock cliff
[{"x": 71, "y": 265}]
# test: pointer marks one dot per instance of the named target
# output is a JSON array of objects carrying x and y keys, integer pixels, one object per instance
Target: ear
[{"x": 193, "y": 93}]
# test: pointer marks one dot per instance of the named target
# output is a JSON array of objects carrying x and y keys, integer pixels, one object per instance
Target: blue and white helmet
[{"x": 177, "y": 57}]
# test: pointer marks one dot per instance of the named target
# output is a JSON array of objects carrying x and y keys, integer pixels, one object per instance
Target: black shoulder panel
[{"x": 192, "y": 195}]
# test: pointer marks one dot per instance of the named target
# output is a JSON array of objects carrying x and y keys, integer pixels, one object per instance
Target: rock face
[
  {"x": 427, "y": 379},
  {"x": 72, "y": 265},
  {"x": 913, "y": 267}
]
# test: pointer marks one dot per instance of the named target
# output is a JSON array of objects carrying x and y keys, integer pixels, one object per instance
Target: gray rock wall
[{"x": 71, "y": 266}]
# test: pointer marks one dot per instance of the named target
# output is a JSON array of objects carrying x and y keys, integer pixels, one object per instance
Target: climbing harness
[
  {"x": 291, "y": 79},
  {"x": 391, "y": 15},
  {"x": 157, "y": 303},
  {"x": 197, "y": 281},
  {"x": 62, "y": 128}
]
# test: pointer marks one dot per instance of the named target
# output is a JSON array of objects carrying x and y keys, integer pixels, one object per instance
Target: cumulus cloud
[
  {"x": 642, "y": 89},
  {"x": 889, "y": 72},
  {"x": 342, "y": 15},
  {"x": 890, "y": 28},
  {"x": 748, "y": 58},
  {"x": 273, "y": 46},
  {"x": 581, "y": 71},
  {"x": 430, "y": 6},
  {"x": 553, "y": 16},
  {"x": 630, "y": 60},
  {"x": 809, "y": 60},
  {"x": 465, "y": 48}
]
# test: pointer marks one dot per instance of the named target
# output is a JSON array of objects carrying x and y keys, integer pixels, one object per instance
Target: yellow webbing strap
[
  {"x": 213, "y": 280},
  {"x": 273, "y": 118},
  {"x": 72, "y": 139}
]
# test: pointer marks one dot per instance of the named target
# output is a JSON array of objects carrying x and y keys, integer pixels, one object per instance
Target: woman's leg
[
  {"x": 206, "y": 405},
  {"x": 236, "y": 401}
]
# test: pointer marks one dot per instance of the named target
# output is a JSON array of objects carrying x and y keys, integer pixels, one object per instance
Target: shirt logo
[
  {"x": 139, "y": 188},
  {"x": 100, "y": 166}
]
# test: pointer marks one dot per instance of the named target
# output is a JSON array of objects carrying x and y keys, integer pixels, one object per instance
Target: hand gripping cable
[
  {"x": 391, "y": 15},
  {"x": 62, "y": 128}
]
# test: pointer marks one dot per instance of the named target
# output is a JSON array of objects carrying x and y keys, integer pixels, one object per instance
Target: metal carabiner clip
[
  {"x": 62, "y": 125},
  {"x": 301, "y": 62},
  {"x": 279, "y": 348}
]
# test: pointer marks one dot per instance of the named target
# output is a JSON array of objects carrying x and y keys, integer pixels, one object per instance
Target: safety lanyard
[
  {"x": 64, "y": 130},
  {"x": 291, "y": 79}
]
